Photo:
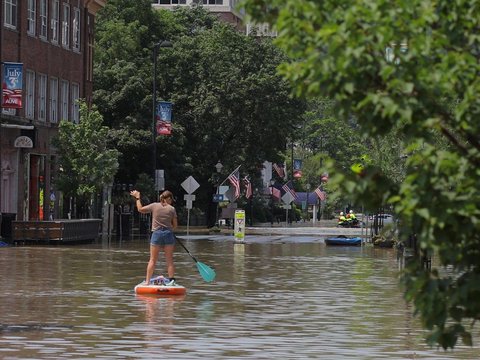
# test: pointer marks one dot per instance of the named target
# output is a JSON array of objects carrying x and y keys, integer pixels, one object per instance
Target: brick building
[
  {"x": 226, "y": 10},
  {"x": 51, "y": 42}
]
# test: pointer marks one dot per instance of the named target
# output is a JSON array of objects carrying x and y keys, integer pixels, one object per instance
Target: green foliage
[
  {"x": 229, "y": 102},
  {"x": 323, "y": 137},
  {"x": 333, "y": 137},
  {"x": 146, "y": 186},
  {"x": 126, "y": 31},
  {"x": 423, "y": 98},
  {"x": 86, "y": 163},
  {"x": 387, "y": 237}
]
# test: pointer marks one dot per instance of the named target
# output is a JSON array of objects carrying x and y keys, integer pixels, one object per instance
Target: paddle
[{"x": 207, "y": 273}]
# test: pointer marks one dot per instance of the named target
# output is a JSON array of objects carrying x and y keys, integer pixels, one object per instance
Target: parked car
[{"x": 387, "y": 218}]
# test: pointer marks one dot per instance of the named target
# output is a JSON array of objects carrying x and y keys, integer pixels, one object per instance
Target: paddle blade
[{"x": 207, "y": 273}]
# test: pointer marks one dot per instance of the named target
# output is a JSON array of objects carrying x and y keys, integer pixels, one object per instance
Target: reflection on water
[
  {"x": 295, "y": 299},
  {"x": 159, "y": 309}
]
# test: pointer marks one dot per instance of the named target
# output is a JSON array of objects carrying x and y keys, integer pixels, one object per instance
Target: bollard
[{"x": 239, "y": 229}]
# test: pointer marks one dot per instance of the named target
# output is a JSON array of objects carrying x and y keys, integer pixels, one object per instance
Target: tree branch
[{"x": 463, "y": 149}]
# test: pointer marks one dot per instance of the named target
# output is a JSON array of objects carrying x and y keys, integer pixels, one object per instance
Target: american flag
[
  {"x": 280, "y": 169},
  {"x": 248, "y": 187},
  {"x": 321, "y": 194},
  {"x": 234, "y": 179},
  {"x": 288, "y": 187},
  {"x": 275, "y": 192}
]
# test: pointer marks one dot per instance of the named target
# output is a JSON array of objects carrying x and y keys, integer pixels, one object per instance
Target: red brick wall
[{"x": 44, "y": 57}]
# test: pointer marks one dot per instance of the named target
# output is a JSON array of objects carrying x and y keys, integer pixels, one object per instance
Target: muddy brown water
[{"x": 293, "y": 298}]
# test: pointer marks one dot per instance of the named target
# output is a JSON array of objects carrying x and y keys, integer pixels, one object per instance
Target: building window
[
  {"x": 64, "y": 104},
  {"x": 31, "y": 16},
  {"x": 53, "y": 100},
  {"x": 89, "y": 50},
  {"x": 66, "y": 26},
  {"x": 75, "y": 103},
  {"x": 42, "y": 97},
  {"x": 54, "y": 20},
  {"x": 76, "y": 29},
  {"x": 43, "y": 19},
  {"x": 30, "y": 95},
  {"x": 172, "y": 2},
  {"x": 213, "y": 2},
  {"x": 10, "y": 16}
]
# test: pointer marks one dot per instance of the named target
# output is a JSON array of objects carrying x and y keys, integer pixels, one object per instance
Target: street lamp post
[
  {"x": 218, "y": 167},
  {"x": 161, "y": 44},
  {"x": 308, "y": 193},
  {"x": 272, "y": 182}
]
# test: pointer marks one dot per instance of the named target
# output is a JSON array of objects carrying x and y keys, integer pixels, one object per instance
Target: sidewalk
[{"x": 322, "y": 228}]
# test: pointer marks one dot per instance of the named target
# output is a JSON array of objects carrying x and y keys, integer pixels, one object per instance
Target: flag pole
[{"x": 223, "y": 182}]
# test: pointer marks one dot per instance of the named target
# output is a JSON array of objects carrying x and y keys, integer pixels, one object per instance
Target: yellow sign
[{"x": 239, "y": 228}]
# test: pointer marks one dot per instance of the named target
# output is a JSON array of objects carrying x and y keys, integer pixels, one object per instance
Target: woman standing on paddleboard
[{"x": 164, "y": 221}]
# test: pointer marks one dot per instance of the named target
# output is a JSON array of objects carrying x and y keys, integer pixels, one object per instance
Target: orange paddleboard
[{"x": 153, "y": 289}]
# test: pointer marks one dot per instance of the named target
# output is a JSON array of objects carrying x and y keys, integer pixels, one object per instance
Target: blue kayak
[{"x": 343, "y": 240}]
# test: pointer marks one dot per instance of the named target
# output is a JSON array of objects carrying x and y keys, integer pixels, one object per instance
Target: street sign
[
  {"x": 239, "y": 227},
  {"x": 230, "y": 194},
  {"x": 217, "y": 197},
  {"x": 190, "y": 185},
  {"x": 189, "y": 200},
  {"x": 223, "y": 189},
  {"x": 11, "y": 112},
  {"x": 287, "y": 198},
  {"x": 159, "y": 180}
]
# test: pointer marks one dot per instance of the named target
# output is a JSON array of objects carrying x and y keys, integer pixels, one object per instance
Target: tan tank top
[{"x": 162, "y": 215}]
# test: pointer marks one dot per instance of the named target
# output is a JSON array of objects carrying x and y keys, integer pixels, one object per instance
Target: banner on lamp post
[
  {"x": 12, "y": 84},
  {"x": 297, "y": 168},
  {"x": 163, "y": 118}
]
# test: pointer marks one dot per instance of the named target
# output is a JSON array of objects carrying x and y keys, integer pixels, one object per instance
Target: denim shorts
[{"x": 162, "y": 237}]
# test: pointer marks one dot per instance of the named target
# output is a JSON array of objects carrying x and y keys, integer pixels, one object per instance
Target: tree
[
  {"x": 333, "y": 137},
  {"x": 86, "y": 163},
  {"x": 409, "y": 66},
  {"x": 323, "y": 137},
  {"x": 229, "y": 102},
  {"x": 124, "y": 36}
]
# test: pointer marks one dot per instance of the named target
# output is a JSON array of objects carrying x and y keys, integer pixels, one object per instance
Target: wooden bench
[{"x": 56, "y": 230}]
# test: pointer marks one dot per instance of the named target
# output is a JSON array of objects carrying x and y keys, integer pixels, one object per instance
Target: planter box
[{"x": 57, "y": 230}]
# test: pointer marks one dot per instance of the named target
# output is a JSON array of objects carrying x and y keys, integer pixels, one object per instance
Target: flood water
[{"x": 289, "y": 299}]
